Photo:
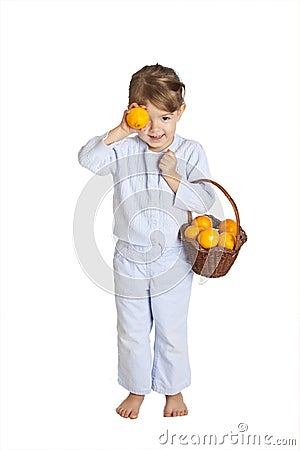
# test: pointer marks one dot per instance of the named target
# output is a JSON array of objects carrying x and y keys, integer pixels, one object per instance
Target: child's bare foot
[
  {"x": 130, "y": 406},
  {"x": 175, "y": 406}
]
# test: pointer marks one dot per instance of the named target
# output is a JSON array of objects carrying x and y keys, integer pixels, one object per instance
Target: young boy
[{"x": 153, "y": 174}]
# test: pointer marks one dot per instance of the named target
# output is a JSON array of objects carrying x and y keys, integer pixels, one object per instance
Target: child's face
[{"x": 160, "y": 130}]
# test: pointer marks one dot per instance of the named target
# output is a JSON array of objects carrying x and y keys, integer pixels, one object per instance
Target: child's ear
[{"x": 181, "y": 110}]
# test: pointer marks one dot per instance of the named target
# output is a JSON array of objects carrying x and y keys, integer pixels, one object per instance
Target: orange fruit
[
  {"x": 227, "y": 240},
  {"x": 202, "y": 222},
  {"x": 208, "y": 238},
  {"x": 228, "y": 225},
  {"x": 191, "y": 232},
  {"x": 137, "y": 118}
]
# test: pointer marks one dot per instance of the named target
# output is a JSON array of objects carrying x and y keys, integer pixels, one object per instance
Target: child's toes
[
  {"x": 130, "y": 406},
  {"x": 126, "y": 413},
  {"x": 134, "y": 413}
]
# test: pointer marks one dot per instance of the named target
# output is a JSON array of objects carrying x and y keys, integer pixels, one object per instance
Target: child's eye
[{"x": 166, "y": 118}]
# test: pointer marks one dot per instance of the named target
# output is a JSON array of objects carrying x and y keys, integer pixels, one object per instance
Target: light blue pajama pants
[{"x": 152, "y": 287}]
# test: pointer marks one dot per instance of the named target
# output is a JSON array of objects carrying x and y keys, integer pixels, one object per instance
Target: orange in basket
[
  {"x": 227, "y": 240},
  {"x": 228, "y": 225},
  {"x": 202, "y": 222},
  {"x": 191, "y": 232},
  {"x": 208, "y": 238}
]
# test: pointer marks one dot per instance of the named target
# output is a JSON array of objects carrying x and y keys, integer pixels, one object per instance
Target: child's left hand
[{"x": 168, "y": 163}]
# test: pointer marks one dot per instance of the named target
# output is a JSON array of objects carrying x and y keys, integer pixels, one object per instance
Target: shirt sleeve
[
  {"x": 97, "y": 156},
  {"x": 197, "y": 197}
]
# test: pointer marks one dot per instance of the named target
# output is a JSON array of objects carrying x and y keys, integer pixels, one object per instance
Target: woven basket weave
[{"x": 214, "y": 262}]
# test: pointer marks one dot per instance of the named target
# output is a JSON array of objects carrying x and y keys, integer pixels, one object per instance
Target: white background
[{"x": 65, "y": 71}]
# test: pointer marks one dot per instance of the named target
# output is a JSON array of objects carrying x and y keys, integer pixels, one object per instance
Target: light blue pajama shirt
[{"x": 152, "y": 274}]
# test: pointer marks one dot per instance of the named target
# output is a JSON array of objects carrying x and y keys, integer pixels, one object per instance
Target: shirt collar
[{"x": 172, "y": 147}]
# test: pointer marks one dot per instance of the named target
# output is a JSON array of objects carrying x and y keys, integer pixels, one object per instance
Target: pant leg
[
  {"x": 134, "y": 320},
  {"x": 171, "y": 369},
  {"x": 134, "y": 324}
]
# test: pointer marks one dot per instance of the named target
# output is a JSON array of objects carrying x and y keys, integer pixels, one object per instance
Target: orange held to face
[
  {"x": 208, "y": 238},
  {"x": 228, "y": 225},
  {"x": 227, "y": 240},
  {"x": 137, "y": 118}
]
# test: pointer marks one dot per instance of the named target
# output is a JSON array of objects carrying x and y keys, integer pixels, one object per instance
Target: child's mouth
[{"x": 156, "y": 138}]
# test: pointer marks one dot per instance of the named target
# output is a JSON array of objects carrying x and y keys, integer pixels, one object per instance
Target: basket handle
[{"x": 236, "y": 212}]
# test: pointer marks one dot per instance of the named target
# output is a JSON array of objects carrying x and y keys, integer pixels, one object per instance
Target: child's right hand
[
  {"x": 124, "y": 125},
  {"x": 123, "y": 130}
]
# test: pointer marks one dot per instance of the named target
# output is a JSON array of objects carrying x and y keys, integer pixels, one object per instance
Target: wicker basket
[{"x": 214, "y": 262}]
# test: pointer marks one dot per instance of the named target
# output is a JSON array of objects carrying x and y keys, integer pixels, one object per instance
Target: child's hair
[{"x": 159, "y": 85}]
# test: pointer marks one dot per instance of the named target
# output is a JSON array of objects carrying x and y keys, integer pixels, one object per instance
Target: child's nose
[{"x": 153, "y": 124}]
